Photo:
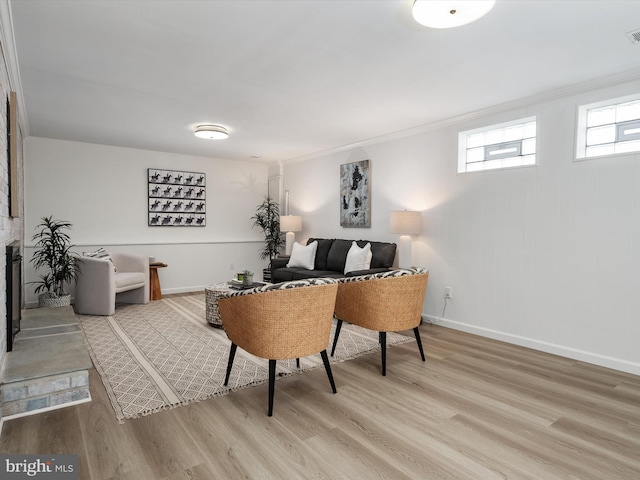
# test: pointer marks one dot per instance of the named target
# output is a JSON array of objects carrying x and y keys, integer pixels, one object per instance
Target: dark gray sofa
[{"x": 331, "y": 257}]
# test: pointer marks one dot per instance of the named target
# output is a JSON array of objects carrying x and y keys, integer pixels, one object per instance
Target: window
[
  {"x": 511, "y": 144},
  {"x": 609, "y": 127}
]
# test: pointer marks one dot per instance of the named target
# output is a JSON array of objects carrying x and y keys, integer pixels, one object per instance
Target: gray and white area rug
[{"x": 164, "y": 354}]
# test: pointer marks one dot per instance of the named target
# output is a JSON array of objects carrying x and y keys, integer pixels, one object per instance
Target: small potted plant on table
[
  {"x": 52, "y": 254},
  {"x": 247, "y": 278}
]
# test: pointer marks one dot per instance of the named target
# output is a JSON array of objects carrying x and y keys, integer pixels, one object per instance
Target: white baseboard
[
  {"x": 169, "y": 291},
  {"x": 561, "y": 350}
]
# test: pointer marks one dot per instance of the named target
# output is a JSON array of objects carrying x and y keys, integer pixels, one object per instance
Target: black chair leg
[
  {"x": 272, "y": 384},
  {"x": 232, "y": 354},
  {"x": 335, "y": 337},
  {"x": 297, "y": 363},
  {"x": 383, "y": 351},
  {"x": 416, "y": 332},
  {"x": 327, "y": 367}
]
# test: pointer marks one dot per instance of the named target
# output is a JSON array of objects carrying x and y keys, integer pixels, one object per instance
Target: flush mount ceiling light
[
  {"x": 211, "y": 132},
  {"x": 449, "y": 13}
]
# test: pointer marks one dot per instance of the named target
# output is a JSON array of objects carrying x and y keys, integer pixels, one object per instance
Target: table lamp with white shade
[
  {"x": 290, "y": 224},
  {"x": 405, "y": 223}
]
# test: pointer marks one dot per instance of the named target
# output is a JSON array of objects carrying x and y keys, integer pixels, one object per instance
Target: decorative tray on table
[{"x": 238, "y": 285}]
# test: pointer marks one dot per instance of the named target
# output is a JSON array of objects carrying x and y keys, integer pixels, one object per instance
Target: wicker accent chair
[
  {"x": 384, "y": 302},
  {"x": 282, "y": 321}
]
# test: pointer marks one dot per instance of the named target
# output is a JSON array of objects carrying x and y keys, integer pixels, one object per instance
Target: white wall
[
  {"x": 546, "y": 256},
  {"x": 102, "y": 191}
]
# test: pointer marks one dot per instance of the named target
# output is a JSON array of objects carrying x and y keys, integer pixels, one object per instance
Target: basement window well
[
  {"x": 608, "y": 128},
  {"x": 505, "y": 145}
]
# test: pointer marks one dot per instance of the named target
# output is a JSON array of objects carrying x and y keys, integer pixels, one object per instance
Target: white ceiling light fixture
[
  {"x": 211, "y": 132},
  {"x": 449, "y": 13}
]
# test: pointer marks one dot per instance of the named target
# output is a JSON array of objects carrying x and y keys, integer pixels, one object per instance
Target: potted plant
[
  {"x": 267, "y": 217},
  {"x": 52, "y": 254},
  {"x": 247, "y": 278}
]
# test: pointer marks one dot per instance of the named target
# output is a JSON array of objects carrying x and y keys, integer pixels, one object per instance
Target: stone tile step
[
  {"x": 49, "y": 365},
  {"x": 29, "y": 396},
  {"x": 47, "y": 331},
  {"x": 43, "y": 347}
]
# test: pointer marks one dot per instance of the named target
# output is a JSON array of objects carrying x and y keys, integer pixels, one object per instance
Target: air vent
[{"x": 634, "y": 36}]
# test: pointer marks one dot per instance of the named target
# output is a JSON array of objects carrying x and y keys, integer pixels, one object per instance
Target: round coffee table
[{"x": 212, "y": 294}]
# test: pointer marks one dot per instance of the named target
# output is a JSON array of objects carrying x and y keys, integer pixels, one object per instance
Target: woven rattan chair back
[
  {"x": 281, "y": 324},
  {"x": 383, "y": 304},
  {"x": 283, "y": 321},
  {"x": 388, "y": 302}
]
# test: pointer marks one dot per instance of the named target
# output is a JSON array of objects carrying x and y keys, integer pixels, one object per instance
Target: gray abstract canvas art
[{"x": 355, "y": 194}]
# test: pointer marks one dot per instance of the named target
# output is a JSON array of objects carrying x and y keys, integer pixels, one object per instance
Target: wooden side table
[{"x": 155, "y": 293}]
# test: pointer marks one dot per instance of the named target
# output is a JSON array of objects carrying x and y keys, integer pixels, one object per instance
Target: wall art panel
[
  {"x": 355, "y": 195},
  {"x": 176, "y": 198}
]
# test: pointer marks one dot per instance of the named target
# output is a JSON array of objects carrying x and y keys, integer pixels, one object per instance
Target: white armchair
[{"x": 99, "y": 285}]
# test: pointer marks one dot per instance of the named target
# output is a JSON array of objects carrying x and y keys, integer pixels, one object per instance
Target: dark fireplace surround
[{"x": 14, "y": 291}]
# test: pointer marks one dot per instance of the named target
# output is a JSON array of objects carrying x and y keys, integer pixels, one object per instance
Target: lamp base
[
  {"x": 404, "y": 252},
  {"x": 291, "y": 238}
]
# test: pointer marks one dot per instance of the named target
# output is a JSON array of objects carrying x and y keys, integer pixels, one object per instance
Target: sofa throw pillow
[
  {"x": 384, "y": 254},
  {"x": 358, "y": 258},
  {"x": 101, "y": 254},
  {"x": 337, "y": 256},
  {"x": 303, "y": 256},
  {"x": 322, "y": 253}
]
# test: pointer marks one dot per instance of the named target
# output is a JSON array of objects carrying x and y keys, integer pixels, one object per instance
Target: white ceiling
[{"x": 293, "y": 78}]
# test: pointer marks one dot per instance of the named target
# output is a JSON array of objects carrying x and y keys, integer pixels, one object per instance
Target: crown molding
[
  {"x": 11, "y": 61},
  {"x": 574, "y": 89}
]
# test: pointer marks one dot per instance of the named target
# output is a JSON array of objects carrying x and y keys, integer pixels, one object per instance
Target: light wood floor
[{"x": 477, "y": 409}]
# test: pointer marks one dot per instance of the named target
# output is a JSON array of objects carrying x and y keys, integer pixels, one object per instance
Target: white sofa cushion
[
  {"x": 128, "y": 280},
  {"x": 358, "y": 258},
  {"x": 303, "y": 256}
]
